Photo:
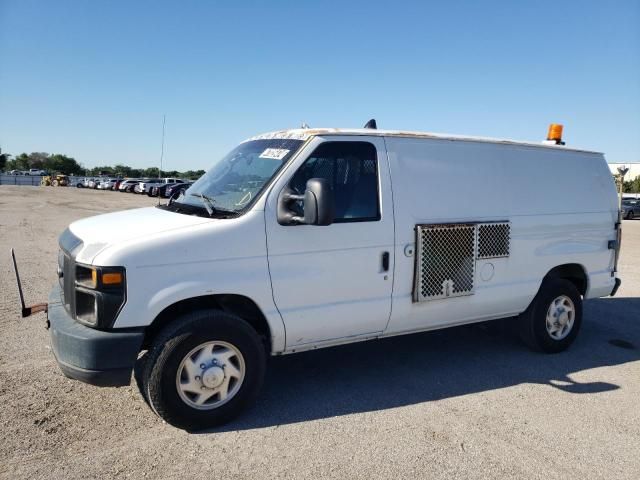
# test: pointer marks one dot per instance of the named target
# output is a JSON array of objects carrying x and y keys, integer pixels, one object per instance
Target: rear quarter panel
[{"x": 561, "y": 205}]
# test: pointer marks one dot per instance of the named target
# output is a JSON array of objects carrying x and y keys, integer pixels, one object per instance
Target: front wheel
[
  {"x": 552, "y": 321},
  {"x": 204, "y": 369}
]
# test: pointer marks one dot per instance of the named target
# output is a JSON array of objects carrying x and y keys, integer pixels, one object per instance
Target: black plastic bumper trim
[
  {"x": 120, "y": 377},
  {"x": 97, "y": 357}
]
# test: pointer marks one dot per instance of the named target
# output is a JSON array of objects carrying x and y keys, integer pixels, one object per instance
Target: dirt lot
[{"x": 460, "y": 403}]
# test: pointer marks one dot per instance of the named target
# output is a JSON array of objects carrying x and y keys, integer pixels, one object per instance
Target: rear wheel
[
  {"x": 204, "y": 369},
  {"x": 552, "y": 321}
]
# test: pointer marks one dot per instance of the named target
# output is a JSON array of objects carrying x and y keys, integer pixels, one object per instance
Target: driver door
[{"x": 334, "y": 282}]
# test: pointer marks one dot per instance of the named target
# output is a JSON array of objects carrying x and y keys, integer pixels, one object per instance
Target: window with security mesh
[
  {"x": 493, "y": 240},
  {"x": 351, "y": 170},
  {"x": 445, "y": 261}
]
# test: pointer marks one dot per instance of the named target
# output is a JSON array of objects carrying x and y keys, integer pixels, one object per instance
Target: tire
[
  {"x": 563, "y": 296},
  {"x": 55, "y": 183},
  {"x": 630, "y": 215},
  {"x": 177, "y": 345}
]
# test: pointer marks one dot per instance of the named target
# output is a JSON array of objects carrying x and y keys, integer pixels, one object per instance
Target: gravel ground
[{"x": 468, "y": 402}]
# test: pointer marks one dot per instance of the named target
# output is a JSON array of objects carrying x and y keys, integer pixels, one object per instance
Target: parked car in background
[
  {"x": 160, "y": 190},
  {"x": 93, "y": 182},
  {"x": 128, "y": 184},
  {"x": 36, "y": 171},
  {"x": 107, "y": 184},
  {"x": 140, "y": 186},
  {"x": 146, "y": 185},
  {"x": 630, "y": 208},
  {"x": 15, "y": 172},
  {"x": 176, "y": 187}
]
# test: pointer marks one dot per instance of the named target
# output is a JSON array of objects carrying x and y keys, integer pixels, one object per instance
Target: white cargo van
[{"x": 310, "y": 238}]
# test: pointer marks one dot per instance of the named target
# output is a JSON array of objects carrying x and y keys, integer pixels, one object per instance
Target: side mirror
[{"x": 318, "y": 204}]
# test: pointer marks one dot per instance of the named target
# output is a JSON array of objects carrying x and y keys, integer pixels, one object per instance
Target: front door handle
[{"x": 385, "y": 261}]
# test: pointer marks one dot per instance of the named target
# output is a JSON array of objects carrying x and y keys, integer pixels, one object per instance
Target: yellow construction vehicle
[{"x": 57, "y": 180}]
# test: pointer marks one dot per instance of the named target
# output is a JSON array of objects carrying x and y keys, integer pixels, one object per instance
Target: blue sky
[{"x": 92, "y": 79}]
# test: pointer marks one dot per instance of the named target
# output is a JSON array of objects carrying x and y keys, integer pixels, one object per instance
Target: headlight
[{"x": 100, "y": 294}]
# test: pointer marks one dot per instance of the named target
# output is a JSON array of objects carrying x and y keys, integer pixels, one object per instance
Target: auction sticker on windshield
[{"x": 275, "y": 153}]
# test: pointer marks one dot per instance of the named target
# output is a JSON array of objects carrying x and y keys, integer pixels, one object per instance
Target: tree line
[
  {"x": 58, "y": 163},
  {"x": 629, "y": 186}
]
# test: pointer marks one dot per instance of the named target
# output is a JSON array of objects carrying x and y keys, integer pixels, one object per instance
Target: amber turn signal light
[{"x": 113, "y": 278}]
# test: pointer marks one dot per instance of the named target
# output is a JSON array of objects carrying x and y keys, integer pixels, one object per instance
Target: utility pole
[{"x": 164, "y": 120}]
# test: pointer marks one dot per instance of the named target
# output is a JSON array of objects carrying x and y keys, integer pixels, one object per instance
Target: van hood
[{"x": 99, "y": 232}]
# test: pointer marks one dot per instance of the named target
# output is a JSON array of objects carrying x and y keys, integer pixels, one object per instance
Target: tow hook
[{"x": 27, "y": 311}]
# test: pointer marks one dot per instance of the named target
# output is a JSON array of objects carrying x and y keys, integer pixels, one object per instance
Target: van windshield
[{"x": 239, "y": 177}]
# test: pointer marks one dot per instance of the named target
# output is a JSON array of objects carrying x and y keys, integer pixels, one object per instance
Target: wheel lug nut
[{"x": 202, "y": 365}]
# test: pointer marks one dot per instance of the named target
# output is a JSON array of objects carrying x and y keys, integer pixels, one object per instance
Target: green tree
[
  {"x": 632, "y": 186},
  {"x": 122, "y": 170},
  {"x": 193, "y": 174},
  {"x": 21, "y": 162},
  {"x": 38, "y": 160},
  {"x": 4, "y": 160},
  {"x": 62, "y": 164},
  {"x": 151, "y": 172}
]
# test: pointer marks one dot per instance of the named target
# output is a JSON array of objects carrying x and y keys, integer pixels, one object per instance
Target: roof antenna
[
  {"x": 164, "y": 119},
  {"x": 371, "y": 124},
  {"x": 304, "y": 125}
]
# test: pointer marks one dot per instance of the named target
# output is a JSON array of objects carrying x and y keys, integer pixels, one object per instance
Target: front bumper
[{"x": 102, "y": 358}]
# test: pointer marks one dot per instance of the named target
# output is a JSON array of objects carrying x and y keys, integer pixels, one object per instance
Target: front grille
[
  {"x": 69, "y": 246},
  {"x": 67, "y": 282}
]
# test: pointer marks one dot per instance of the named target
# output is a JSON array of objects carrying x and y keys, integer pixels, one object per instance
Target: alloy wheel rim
[
  {"x": 210, "y": 375},
  {"x": 561, "y": 316}
]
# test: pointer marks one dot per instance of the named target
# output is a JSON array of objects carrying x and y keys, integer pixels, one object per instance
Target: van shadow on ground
[{"x": 406, "y": 370}]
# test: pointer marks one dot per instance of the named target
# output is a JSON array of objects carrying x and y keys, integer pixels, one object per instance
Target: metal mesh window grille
[
  {"x": 445, "y": 263},
  {"x": 493, "y": 240},
  {"x": 446, "y": 256}
]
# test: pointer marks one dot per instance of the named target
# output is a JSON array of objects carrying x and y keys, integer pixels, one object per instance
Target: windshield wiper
[{"x": 206, "y": 201}]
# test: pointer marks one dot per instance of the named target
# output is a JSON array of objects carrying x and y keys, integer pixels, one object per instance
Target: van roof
[{"x": 305, "y": 133}]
